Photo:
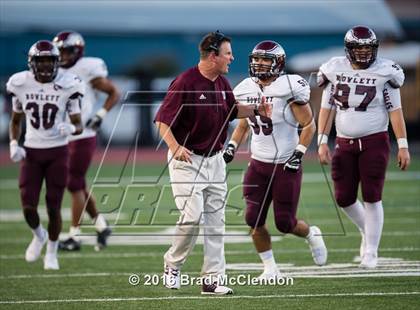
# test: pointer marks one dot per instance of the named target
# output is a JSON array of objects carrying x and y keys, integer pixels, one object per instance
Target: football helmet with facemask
[
  {"x": 43, "y": 61},
  {"x": 71, "y": 45},
  {"x": 361, "y": 46},
  {"x": 267, "y": 50}
]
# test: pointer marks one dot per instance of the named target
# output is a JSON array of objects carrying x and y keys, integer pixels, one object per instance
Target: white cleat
[
  {"x": 171, "y": 278},
  {"x": 215, "y": 289},
  {"x": 269, "y": 278},
  {"x": 51, "y": 262},
  {"x": 317, "y": 246},
  {"x": 267, "y": 275},
  {"x": 33, "y": 251},
  {"x": 369, "y": 261}
]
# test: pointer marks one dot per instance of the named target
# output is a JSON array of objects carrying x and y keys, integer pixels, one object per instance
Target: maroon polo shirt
[{"x": 198, "y": 111}]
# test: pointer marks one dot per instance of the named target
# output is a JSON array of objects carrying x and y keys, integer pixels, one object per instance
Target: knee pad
[
  {"x": 285, "y": 223},
  {"x": 344, "y": 200},
  {"x": 76, "y": 183},
  {"x": 252, "y": 220}
]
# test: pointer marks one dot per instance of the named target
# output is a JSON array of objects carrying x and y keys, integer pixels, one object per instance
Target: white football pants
[{"x": 200, "y": 193}]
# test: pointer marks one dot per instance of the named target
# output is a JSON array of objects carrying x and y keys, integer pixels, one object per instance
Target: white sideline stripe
[
  {"x": 309, "y": 177},
  {"x": 367, "y": 294},
  {"x": 158, "y": 254},
  {"x": 387, "y": 266}
]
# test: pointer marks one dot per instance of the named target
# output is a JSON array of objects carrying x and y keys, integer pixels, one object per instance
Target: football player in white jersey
[
  {"x": 94, "y": 73},
  {"x": 361, "y": 94},
  {"x": 45, "y": 97},
  {"x": 275, "y": 173}
]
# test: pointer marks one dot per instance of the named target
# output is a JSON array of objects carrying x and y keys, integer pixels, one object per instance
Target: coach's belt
[{"x": 206, "y": 153}]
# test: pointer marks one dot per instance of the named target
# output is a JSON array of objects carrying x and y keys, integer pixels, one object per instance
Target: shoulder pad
[
  {"x": 292, "y": 86},
  {"x": 329, "y": 68},
  {"x": 244, "y": 88},
  {"x": 300, "y": 89},
  {"x": 94, "y": 67},
  {"x": 67, "y": 80},
  {"x": 391, "y": 70},
  {"x": 90, "y": 61},
  {"x": 18, "y": 79}
]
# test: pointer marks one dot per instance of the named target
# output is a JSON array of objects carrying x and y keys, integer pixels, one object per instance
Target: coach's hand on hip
[{"x": 181, "y": 153}]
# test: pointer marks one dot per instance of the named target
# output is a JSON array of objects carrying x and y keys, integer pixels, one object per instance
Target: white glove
[
  {"x": 66, "y": 129},
  {"x": 17, "y": 153}
]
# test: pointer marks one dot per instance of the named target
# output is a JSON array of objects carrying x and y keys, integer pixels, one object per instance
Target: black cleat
[
  {"x": 102, "y": 238},
  {"x": 69, "y": 245}
]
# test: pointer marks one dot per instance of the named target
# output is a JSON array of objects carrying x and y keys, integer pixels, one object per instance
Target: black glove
[
  {"x": 94, "y": 122},
  {"x": 294, "y": 162},
  {"x": 229, "y": 153}
]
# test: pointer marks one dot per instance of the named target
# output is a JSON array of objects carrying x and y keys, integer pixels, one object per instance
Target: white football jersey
[
  {"x": 88, "y": 68},
  {"x": 274, "y": 140},
  {"x": 360, "y": 97},
  {"x": 45, "y": 106}
]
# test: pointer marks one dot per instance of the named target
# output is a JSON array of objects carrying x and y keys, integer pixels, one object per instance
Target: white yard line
[
  {"x": 284, "y": 296},
  {"x": 387, "y": 267}
]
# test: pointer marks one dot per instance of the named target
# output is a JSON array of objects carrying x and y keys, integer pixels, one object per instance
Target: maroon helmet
[
  {"x": 359, "y": 37},
  {"x": 270, "y": 50},
  {"x": 71, "y": 45},
  {"x": 43, "y": 60}
]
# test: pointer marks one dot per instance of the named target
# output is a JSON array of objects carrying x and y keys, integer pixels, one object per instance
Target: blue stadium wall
[{"x": 121, "y": 52}]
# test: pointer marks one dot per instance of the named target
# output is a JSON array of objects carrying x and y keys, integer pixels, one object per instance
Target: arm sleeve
[
  {"x": 397, "y": 76},
  {"x": 16, "y": 104},
  {"x": 392, "y": 98},
  {"x": 172, "y": 103},
  {"x": 301, "y": 91},
  {"x": 98, "y": 70},
  {"x": 74, "y": 104},
  {"x": 327, "y": 100},
  {"x": 321, "y": 79}
]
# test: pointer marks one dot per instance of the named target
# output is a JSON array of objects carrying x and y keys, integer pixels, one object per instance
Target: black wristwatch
[{"x": 256, "y": 112}]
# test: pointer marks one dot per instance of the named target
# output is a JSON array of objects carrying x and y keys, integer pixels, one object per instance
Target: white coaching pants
[{"x": 200, "y": 193}]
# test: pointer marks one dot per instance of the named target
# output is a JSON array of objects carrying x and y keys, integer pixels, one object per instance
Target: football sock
[
  {"x": 267, "y": 258},
  {"x": 100, "y": 223},
  {"x": 74, "y": 232},
  {"x": 356, "y": 213},
  {"x": 39, "y": 232},
  {"x": 374, "y": 215},
  {"x": 52, "y": 247}
]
